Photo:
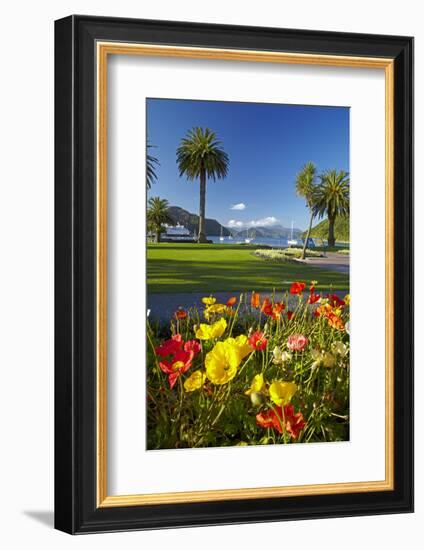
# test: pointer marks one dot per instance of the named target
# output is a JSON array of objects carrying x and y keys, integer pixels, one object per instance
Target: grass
[{"x": 174, "y": 268}]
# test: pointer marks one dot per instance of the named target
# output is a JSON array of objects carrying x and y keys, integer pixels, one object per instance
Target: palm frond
[
  {"x": 201, "y": 150},
  {"x": 331, "y": 196},
  {"x": 151, "y": 163}
]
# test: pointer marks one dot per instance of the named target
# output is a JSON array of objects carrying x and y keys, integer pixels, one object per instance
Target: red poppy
[
  {"x": 294, "y": 422},
  {"x": 193, "y": 345},
  {"x": 291, "y": 422},
  {"x": 231, "y": 301},
  {"x": 290, "y": 315},
  {"x": 314, "y": 298},
  {"x": 258, "y": 341},
  {"x": 180, "y": 363},
  {"x": 335, "y": 301},
  {"x": 268, "y": 419},
  {"x": 180, "y": 313},
  {"x": 297, "y": 288},
  {"x": 170, "y": 346},
  {"x": 267, "y": 307},
  {"x": 255, "y": 300}
]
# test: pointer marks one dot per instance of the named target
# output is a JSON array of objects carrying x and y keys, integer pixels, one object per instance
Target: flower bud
[{"x": 257, "y": 398}]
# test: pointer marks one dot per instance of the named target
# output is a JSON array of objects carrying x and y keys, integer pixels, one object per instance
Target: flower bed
[
  {"x": 286, "y": 254},
  {"x": 250, "y": 371}
]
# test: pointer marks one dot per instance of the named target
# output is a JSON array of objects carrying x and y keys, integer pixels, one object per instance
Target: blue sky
[{"x": 267, "y": 145}]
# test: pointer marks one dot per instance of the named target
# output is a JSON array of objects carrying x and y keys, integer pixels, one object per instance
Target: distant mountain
[
  {"x": 272, "y": 231},
  {"x": 191, "y": 222},
  {"x": 341, "y": 230}
]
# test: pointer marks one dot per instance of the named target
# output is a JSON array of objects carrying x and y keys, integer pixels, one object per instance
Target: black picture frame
[{"x": 76, "y": 510}]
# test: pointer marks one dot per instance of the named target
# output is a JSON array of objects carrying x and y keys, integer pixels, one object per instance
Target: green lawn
[{"x": 173, "y": 268}]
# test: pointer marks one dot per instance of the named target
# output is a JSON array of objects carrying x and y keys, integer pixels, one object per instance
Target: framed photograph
[{"x": 234, "y": 274}]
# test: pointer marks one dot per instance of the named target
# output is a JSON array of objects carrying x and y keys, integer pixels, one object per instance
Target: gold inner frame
[{"x": 104, "y": 49}]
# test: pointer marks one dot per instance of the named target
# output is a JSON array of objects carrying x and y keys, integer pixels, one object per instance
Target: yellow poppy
[
  {"x": 346, "y": 299},
  {"x": 282, "y": 392},
  {"x": 242, "y": 344},
  {"x": 222, "y": 362},
  {"x": 208, "y": 332},
  {"x": 209, "y": 300},
  {"x": 195, "y": 381},
  {"x": 257, "y": 385},
  {"x": 214, "y": 309}
]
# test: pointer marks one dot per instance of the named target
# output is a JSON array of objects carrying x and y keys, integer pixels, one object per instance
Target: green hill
[
  {"x": 191, "y": 222},
  {"x": 341, "y": 230}
]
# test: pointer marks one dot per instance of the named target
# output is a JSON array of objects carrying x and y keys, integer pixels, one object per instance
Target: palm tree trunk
[
  {"x": 331, "y": 238},
  {"x": 158, "y": 236},
  {"x": 308, "y": 234},
  {"x": 202, "y": 237}
]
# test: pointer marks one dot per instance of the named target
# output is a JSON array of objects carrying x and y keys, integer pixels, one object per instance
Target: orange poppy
[
  {"x": 180, "y": 313},
  {"x": 231, "y": 301},
  {"x": 255, "y": 300}
]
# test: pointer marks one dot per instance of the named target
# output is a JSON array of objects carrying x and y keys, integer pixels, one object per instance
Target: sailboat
[
  {"x": 221, "y": 238},
  {"x": 291, "y": 241},
  {"x": 248, "y": 240}
]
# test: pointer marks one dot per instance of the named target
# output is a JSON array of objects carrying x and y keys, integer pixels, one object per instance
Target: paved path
[{"x": 332, "y": 261}]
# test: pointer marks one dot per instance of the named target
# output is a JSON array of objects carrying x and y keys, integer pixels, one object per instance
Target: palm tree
[
  {"x": 200, "y": 156},
  {"x": 305, "y": 187},
  {"x": 157, "y": 216},
  {"x": 331, "y": 198},
  {"x": 151, "y": 163}
]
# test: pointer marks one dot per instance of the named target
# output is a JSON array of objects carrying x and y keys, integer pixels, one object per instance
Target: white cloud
[
  {"x": 238, "y": 206},
  {"x": 235, "y": 223},
  {"x": 262, "y": 222}
]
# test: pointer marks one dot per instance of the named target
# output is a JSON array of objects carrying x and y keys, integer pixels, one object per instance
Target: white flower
[
  {"x": 347, "y": 327},
  {"x": 328, "y": 360},
  {"x": 281, "y": 356},
  {"x": 316, "y": 354},
  {"x": 340, "y": 348}
]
